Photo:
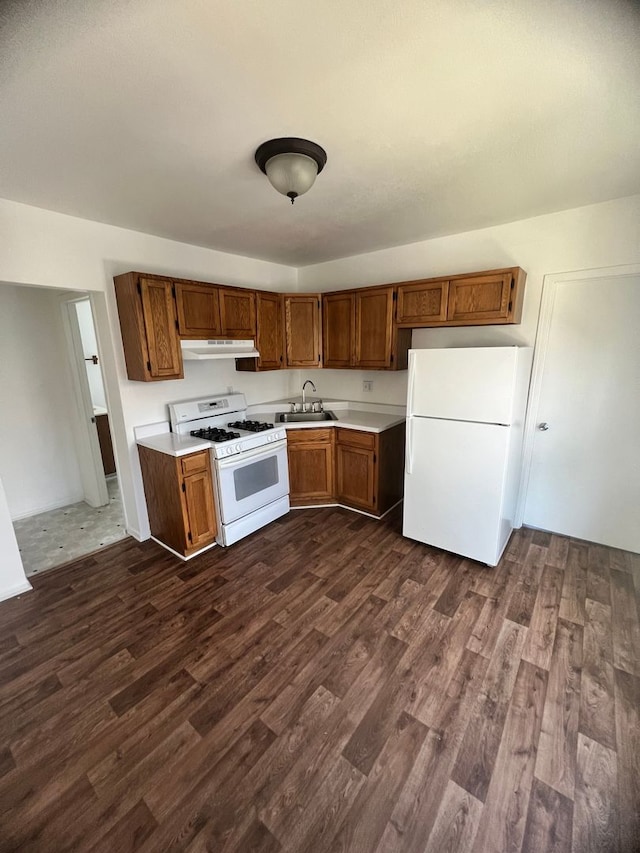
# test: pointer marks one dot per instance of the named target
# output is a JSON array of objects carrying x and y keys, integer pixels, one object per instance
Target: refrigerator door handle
[
  {"x": 410, "y": 384},
  {"x": 409, "y": 447}
]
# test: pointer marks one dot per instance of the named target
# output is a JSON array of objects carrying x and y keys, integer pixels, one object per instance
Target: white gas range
[{"x": 251, "y": 476}]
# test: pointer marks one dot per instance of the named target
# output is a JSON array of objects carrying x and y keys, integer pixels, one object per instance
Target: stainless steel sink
[{"x": 301, "y": 417}]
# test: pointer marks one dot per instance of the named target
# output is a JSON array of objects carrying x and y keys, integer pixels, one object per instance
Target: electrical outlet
[
  {"x": 367, "y": 384},
  {"x": 229, "y": 389}
]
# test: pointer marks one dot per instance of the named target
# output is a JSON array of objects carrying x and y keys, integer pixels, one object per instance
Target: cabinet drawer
[
  {"x": 366, "y": 440},
  {"x": 307, "y": 436},
  {"x": 194, "y": 463}
]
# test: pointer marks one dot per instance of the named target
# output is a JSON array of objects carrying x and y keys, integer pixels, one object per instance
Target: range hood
[{"x": 201, "y": 350}]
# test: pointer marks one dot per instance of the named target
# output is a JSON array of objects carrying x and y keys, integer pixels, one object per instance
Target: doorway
[
  {"x": 61, "y": 503},
  {"x": 584, "y": 453}
]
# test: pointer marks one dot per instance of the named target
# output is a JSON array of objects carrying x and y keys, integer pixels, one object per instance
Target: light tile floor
[{"x": 51, "y": 538}]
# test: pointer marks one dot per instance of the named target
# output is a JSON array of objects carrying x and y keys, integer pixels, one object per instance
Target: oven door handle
[{"x": 247, "y": 455}]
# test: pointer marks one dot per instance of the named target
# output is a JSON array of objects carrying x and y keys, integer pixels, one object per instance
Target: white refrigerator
[{"x": 465, "y": 418}]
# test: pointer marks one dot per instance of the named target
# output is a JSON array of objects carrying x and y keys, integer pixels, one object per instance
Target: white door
[
  {"x": 585, "y": 468},
  {"x": 470, "y": 384},
  {"x": 94, "y": 483},
  {"x": 454, "y": 486}
]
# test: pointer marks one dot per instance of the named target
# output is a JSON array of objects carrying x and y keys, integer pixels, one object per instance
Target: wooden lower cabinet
[
  {"x": 370, "y": 468},
  {"x": 311, "y": 466},
  {"x": 179, "y": 493},
  {"x": 362, "y": 470}
]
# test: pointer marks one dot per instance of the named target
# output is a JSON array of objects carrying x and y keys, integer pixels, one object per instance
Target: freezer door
[
  {"x": 472, "y": 384},
  {"x": 454, "y": 484}
]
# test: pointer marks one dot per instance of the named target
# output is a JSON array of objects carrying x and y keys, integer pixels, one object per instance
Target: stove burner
[
  {"x": 214, "y": 434},
  {"x": 251, "y": 426}
]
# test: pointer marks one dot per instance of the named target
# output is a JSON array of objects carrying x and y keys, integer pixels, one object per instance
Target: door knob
[{"x": 543, "y": 427}]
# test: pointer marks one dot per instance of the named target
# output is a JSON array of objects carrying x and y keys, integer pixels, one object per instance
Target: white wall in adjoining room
[{"x": 38, "y": 460}]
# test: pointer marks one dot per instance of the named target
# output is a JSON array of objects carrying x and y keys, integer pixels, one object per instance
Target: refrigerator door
[
  {"x": 472, "y": 384},
  {"x": 454, "y": 485}
]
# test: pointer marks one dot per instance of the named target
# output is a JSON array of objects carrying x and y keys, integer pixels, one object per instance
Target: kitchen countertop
[
  {"x": 368, "y": 417},
  {"x": 174, "y": 445}
]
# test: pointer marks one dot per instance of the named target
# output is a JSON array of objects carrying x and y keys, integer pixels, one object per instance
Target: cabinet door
[
  {"x": 356, "y": 476},
  {"x": 238, "y": 313},
  {"x": 337, "y": 329},
  {"x": 373, "y": 325},
  {"x": 302, "y": 330},
  {"x": 200, "y": 516},
  {"x": 422, "y": 303},
  {"x": 270, "y": 338},
  {"x": 480, "y": 299},
  {"x": 198, "y": 310},
  {"x": 159, "y": 314},
  {"x": 311, "y": 466}
]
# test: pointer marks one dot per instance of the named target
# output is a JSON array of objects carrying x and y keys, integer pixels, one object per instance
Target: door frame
[
  {"x": 550, "y": 286},
  {"x": 94, "y": 482}
]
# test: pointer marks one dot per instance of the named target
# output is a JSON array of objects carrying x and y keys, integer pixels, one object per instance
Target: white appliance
[
  {"x": 465, "y": 418},
  {"x": 205, "y": 350},
  {"x": 249, "y": 462}
]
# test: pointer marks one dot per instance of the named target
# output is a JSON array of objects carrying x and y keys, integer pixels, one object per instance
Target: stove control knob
[{"x": 238, "y": 448}]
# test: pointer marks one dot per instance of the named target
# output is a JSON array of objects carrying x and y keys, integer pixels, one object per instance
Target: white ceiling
[{"x": 438, "y": 116}]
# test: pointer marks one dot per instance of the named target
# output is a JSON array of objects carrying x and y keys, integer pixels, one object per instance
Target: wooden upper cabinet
[
  {"x": 148, "y": 321},
  {"x": 270, "y": 337},
  {"x": 337, "y": 329},
  {"x": 374, "y": 327},
  {"x": 302, "y": 324},
  {"x": 481, "y": 299},
  {"x": 198, "y": 307},
  {"x": 238, "y": 312},
  {"x": 421, "y": 303},
  {"x": 475, "y": 299}
]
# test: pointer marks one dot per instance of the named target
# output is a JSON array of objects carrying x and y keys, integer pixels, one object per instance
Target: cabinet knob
[{"x": 543, "y": 427}]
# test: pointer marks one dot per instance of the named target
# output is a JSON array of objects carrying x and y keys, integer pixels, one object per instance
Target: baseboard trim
[
  {"x": 48, "y": 507},
  {"x": 17, "y": 589}
]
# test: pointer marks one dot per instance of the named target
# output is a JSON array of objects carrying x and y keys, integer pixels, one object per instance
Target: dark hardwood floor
[{"x": 324, "y": 685}]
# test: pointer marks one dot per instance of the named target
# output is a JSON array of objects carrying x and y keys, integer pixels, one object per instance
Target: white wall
[
  {"x": 38, "y": 462},
  {"x": 39, "y": 247},
  {"x": 601, "y": 235},
  {"x": 12, "y": 577}
]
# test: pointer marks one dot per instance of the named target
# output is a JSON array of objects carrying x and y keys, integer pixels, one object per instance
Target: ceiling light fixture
[{"x": 291, "y": 164}]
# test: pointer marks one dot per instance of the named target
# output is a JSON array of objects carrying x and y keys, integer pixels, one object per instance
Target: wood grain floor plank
[
  {"x": 526, "y": 591},
  {"x": 598, "y": 585},
  {"x": 456, "y": 823},
  {"x": 417, "y": 807},
  {"x": 556, "y": 762},
  {"x": 542, "y": 628},
  {"x": 597, "y": 711},
  {"x": 503, "y": 820},
  {"x": 474, "y": 766},
  {"x": 574, "y": 589},
  {"x": 323, "y": 685},
  {"x": 595, "y": 809},
  {"x": 549, "y": 821},
  {"x": 624, "y": 623},
  {"x": 364, "y": 824},
  {"x": 627, "y": 693}
]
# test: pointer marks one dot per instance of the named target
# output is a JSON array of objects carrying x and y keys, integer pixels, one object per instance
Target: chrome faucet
[{"x": 304, "y": 385}]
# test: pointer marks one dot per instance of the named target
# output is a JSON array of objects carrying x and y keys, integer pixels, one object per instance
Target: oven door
[{"x": 251, "y": 480}]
